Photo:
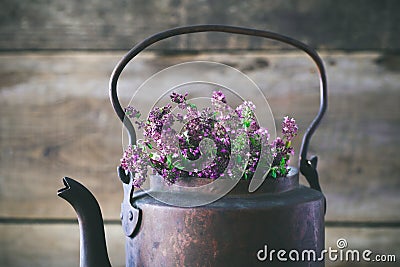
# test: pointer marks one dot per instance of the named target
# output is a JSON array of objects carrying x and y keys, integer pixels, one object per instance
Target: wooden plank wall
[
  {"x": 56, "y": 119},
  {"x": 93, "y": 24}
]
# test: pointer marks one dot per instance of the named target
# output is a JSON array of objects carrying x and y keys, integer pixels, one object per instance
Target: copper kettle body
[{"x": 240, "y": 229}]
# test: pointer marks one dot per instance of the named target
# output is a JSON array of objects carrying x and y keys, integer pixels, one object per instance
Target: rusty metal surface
[{"x": 230, "y": 231}]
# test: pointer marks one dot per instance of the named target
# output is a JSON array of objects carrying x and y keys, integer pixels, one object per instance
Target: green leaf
[
  {"x": 169, "y": 162},
  {"x": 149, "y": 145},
  {"x": 178, "y": 165},
  {"x": 273, "y": 173},
  {"x": 192, "y": 105},
  {"x": 138, "y": 115},
  {"x": 246, "y": 124},
  {"x": 288, "y": 144},
  {"x": 252, "y": 140},
  {"x": 239, "y": 158}
]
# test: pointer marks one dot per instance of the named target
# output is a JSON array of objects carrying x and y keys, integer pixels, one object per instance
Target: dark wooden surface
[{"x": 328, "y": 24}]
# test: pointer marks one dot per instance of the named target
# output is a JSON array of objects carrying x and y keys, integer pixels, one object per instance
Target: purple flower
[
  {"x": 282, "y": 148},
  {"x": 170, "y": 152},
  {"x": 138, "y": 181},
  {"x": 263, "y": 133},
  {"x": 289, "y": 128},
  {"x": 131, "y": 112},
  {"x": 135, "y": 161},
  {"x": 178, "y": 98},
  {"x": 170, "y": 176},
  {"x": 219, "y": 96},
  {"x": 246, "y": 110},
  {"x": 278, "y": 145}
]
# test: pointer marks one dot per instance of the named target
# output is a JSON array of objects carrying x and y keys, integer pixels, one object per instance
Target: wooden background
[
  {"x": 55, "y": 61},
  {"x": 94, "y": 24}
]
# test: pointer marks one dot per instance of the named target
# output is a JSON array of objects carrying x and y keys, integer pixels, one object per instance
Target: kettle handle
[{"x": 307, "y": 167}]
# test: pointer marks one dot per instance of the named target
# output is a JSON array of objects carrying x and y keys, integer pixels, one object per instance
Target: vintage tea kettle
[{"x": 232, "y": 231}]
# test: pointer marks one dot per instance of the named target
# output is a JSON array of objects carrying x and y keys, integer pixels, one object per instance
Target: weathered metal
[
  {"x": 93, "y": 250},
  {"x": 232, "y": 231}
]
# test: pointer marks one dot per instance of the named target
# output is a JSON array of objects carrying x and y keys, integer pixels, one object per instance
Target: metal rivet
[{"x": 130, "y": 215}]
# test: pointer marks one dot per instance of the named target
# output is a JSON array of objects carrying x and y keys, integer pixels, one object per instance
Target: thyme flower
[{"x": 169, "y": 153}]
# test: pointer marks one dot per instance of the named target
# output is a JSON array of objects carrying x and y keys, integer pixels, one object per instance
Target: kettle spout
[{"x": 93, "y": 248}]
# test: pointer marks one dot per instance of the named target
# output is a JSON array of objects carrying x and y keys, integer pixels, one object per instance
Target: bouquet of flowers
[{"x": 207, "y": 134}]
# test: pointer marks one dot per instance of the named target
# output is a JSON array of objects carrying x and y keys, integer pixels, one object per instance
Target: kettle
[{"x": 277, "y": 225}]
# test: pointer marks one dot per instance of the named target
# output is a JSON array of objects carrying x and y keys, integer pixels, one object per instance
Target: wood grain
[
  {"x": 92, "y": 25},
  {"x": 58, "y": 245},
  {"x": 52, "y": 245}
]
